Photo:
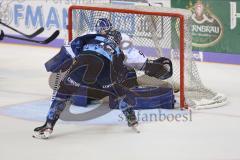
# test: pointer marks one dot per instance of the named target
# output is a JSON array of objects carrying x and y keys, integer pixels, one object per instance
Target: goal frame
[{"x": 150, "y": 13}]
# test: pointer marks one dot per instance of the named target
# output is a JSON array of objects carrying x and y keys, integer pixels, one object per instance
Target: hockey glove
[
  {"x": 60, "y": 62},
  {"x": 160, "y": 68}
]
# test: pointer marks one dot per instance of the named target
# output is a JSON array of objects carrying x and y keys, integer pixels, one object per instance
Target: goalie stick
[
  {"x": 46, "y": 41},
  {"x": 37, "y": 32}
]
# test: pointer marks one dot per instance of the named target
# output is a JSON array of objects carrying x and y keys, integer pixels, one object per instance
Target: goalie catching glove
[{"x": 160, "y": 68}]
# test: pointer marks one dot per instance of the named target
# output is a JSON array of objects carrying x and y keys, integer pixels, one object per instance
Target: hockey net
[{"x": 156, "y": 31}]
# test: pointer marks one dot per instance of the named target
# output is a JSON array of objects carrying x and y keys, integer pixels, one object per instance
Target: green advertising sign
[{"x": 216, "y": 24}]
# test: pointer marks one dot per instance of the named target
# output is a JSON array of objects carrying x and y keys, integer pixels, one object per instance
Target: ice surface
[{"x": 212, "y": 134}]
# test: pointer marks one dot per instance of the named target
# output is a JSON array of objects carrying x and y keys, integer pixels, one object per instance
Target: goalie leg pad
[{"x": 149, "y": 98}]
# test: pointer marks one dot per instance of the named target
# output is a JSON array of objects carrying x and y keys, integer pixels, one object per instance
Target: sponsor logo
[
  {"x": 107, "y": 86},
  {"x": 72, "y": 82},
  {"x": 207, "y": 29}
]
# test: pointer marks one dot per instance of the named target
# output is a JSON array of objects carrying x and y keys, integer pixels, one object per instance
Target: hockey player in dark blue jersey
[
  {"x": 98, "y": 64},
  {"x": 96, "y": 61}
]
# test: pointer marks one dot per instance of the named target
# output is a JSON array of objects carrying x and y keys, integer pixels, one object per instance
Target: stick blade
[
  {"x": 46, "y": 41},
  {"x": 51, "y": 38},
  {"x": 40, "y": 30}
]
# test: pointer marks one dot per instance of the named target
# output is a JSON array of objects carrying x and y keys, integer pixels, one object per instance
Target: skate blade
[
  {"x": 135, "y": 129},
  {"x": 45, "y": 135},
  {"x": 39, "y": 137}
]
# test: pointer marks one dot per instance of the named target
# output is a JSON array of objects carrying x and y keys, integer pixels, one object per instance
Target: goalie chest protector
[{"x": 149, "y": 98}]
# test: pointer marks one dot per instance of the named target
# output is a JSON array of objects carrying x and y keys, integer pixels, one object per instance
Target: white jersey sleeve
[{"x": 133, "y": 57}]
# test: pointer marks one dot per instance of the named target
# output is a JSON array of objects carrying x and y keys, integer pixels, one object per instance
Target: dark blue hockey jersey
[{"x": 91, "y": 42}]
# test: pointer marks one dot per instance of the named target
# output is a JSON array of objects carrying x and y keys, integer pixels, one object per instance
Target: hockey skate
[
  {"x": 131, "y": 119},
  {"x": 43, "y": 132}
]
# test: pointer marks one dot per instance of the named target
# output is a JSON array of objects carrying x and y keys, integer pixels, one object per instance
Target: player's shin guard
[
  {"x": 129, "y": 113},
  {"x": 55, "y": 110}
]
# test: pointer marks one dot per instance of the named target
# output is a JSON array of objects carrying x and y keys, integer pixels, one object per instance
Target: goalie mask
[{"x": 103, "y": 25}]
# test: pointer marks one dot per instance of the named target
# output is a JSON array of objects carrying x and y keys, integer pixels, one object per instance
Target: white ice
[{"x": 211, "y": 135}]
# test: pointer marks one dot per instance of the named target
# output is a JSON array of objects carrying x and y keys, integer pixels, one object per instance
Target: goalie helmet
[{"x": 103, "y": 25}]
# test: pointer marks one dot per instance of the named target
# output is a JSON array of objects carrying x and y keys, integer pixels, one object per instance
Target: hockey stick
[
  {"x": 46, "y": 41},
  {"x": 37, "y": 32}
]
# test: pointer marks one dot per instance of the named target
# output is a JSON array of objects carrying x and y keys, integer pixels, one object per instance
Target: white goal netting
[{"x": 156, "y": 31}]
